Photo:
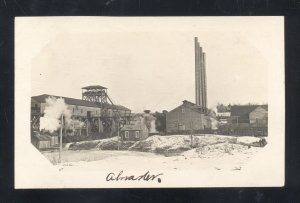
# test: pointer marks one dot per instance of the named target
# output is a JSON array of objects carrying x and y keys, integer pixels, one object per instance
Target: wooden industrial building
[
  {"x": 192, "y": 116},
  {"x": 246, "y": 120},
  {"x": 90, "y": 113},
  {"x": 94, "y": 115},
  {"x": 186, "y": 117},
  {"x": 249, "y": 114}
]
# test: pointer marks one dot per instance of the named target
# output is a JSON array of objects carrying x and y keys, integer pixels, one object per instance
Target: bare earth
[{"x": 131, "y": 160}]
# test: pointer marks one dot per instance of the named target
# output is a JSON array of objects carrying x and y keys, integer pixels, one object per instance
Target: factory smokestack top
[{"x": 200, "y": 77}]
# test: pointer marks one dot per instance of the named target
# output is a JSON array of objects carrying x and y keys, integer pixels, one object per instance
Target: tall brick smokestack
[{"x": 200, "y": 76}]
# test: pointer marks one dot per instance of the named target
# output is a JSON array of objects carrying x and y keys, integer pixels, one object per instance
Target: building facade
[
  {"x": 186, "y": 117},
  {"x": 259, "y": 116},
  {"x": 223, "y": 117},
  {"x": 249, "y": 114},
  {"x": 91, "y": 116},
  {"x": 135, "y": 131}
]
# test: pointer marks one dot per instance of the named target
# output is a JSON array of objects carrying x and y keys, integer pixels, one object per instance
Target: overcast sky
[{"x": 153, "y": 67}]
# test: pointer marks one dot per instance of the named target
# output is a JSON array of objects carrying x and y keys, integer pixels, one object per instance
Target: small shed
[
  {"x": 134, "y": 132},
  {"x": 41, "y": 141}
]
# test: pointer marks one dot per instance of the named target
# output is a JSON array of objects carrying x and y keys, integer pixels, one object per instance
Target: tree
[
  {"x": 223, "y": 108},
  {"x": 160, "y": 121},
  {"x": 211, "y": 113}
]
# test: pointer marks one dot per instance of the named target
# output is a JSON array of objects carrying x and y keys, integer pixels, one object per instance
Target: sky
[{"x": 153, "y": 67}]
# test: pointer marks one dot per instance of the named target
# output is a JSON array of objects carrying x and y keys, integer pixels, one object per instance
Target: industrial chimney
[{"x": 200, "y": 76}]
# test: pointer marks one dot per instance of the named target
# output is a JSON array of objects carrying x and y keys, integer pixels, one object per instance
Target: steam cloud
[
  {"x": 153, "y": 127},
  {"x": 55, "y": 107}
]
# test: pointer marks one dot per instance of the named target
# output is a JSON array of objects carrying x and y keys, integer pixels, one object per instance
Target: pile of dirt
[
  {"x": 200, "y": 141},
  {"x": 173, "y": 144},
  {"x": 84, "y": 145},
  {"x": 252, "y": 141},
  {"x": 167, "y": 145},
  {"x": 104, "y": 144},
  {"x": 176, "y": 144},
  {"x": 215, "y": 150},
  {"x": 113, "y": 144},
  {"x": 215, "y": 139}
]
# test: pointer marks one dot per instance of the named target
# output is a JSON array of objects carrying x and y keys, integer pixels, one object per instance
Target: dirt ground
[
  {"x": 131, "y": 160},
  {"x": 166, "y": 152}
]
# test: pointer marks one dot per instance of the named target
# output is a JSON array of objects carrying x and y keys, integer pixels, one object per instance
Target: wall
[
  {"x": 54, "y": 140},
  {"x": 78, "y": 110},
  {"x": 43, "y": 144},
  {"x": 259, "y": 114},
  {"x": 82, "y": 110},
  {"x": 183, "y": 118},
  {"x": 107, "y": 112},
  {"x": 124, "y": 113},
  {"x": 35, "y": 104},
  {"x": 132, "y": 135},
  {"x": 35, "y": 107}
]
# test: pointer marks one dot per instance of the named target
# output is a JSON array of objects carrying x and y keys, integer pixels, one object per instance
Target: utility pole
[
  {"x": 87, "y": 127},
  {"x": 60, "y": 138},
  {"x": 192, "y": 132}
]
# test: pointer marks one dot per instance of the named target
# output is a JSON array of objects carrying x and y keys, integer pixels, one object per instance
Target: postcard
[{"x": 149, "y": 102}]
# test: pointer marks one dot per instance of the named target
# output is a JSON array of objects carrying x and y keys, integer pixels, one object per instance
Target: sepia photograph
[{"x": 149, "y": 102}]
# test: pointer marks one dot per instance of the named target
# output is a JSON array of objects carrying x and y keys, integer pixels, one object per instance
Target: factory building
[
  {"x": 246, "y": 120},
  {"x": 192, "y": 116},
  {"x": 188, "y": 116},
  {"x": 256, "y": 115},
  {"x": 95, "y": 113}
]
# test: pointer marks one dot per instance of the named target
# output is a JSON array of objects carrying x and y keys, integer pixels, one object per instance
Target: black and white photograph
[{"x": 110, "y": 102}]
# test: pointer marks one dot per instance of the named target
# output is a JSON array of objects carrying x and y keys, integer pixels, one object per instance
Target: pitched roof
[
  {"x": 132, "y": 127},
  {"x": 265, "y": 106},
  {"x": 71, "y": 101},
  {"x": 191, "y": 106},
  {"x": 43, "y": 137},
  {"x": 94, "y": 87},
  {"x": 242, "y": 110},
  {"x": 77, "y": 102},
  {"x": 116, "y": 106}
]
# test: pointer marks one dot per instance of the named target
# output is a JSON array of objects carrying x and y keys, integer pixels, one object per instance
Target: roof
[
  {"x": 190, "y": 105},
  {"x": 77, "y": 102},
  {"x": 71, "y": 101},
  {"x": 265, "y": 106},
  {"x": 94, "y": 87},
  {"x": 132, "y": 127},
  {"x": 43, "y": 137},
  {"x": 242, "y": 110},
  {"x": 116, "y": 106}
]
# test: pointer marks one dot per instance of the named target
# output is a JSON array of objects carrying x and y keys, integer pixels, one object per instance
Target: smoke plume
[{"x": 55, "y": 107}]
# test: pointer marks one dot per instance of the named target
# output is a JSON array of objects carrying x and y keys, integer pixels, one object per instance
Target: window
[
  {"x": 182, "y": 110},
  {"x": 73, "y": 110},
  {"x": 126, "y": 134},
  {"x": 137, "y": 134}
]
